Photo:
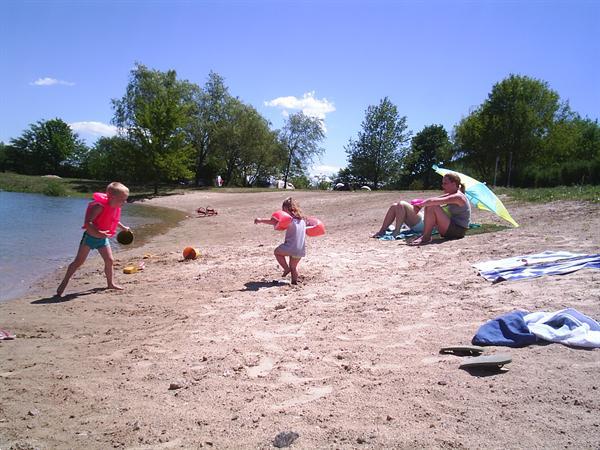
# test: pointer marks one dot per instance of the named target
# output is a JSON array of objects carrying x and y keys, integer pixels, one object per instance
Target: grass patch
[
  {"x": 545, "y": 195},
  {"x": 77, "y": 187}
]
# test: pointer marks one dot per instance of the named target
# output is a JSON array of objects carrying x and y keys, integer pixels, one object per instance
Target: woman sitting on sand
[
  {"x": 403, "y": 213},
  {"x": 452, "y": 225}
]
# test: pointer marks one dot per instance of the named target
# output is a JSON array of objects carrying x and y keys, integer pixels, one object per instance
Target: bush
[
  {"x": 55, "y": 188},
  {"x": 570, "y": 173},
  {"x": 416, "y": 185}
]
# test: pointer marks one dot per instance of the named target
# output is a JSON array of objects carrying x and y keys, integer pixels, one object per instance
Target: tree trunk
[
  {"x": 509, "y": 169},
  {"x": 287, "y": 170}
]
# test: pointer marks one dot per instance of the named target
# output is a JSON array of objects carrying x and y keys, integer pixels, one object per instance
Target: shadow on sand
[
  {"x": 66, "y": 298},
  {"x": 256, "y": 285}
]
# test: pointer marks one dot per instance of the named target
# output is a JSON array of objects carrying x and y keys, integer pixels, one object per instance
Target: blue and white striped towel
[{"x": 533, "y": 266}]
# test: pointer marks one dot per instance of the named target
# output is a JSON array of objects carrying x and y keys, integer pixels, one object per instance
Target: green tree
[
  {"x": 376, "y": 156},
  {"x": 509, "y": 128},
  {"x": 4, "y": 161},
  {"x": 301, "y": 136},
  {"x": 428, "y": 147},
  {"x": 116, "y": 158},
  {"x": 246, "y": 146},
  {"x": 207, "y": 117},
  {"x": 47, "y": 147},
  {"x": 153, "y": 115}
]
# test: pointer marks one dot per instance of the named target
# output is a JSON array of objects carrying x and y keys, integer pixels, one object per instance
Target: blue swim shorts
[
  {"x": 418, "y": 228},
  {"x": 93, "y": 242}
]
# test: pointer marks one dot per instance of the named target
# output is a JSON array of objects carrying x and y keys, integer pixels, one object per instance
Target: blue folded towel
[{"x": 509, "y": 330}]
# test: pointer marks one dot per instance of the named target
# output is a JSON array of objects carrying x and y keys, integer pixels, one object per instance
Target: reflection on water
[{"x": 38, "y": 234}]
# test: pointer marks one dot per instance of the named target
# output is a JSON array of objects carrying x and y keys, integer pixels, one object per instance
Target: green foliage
[
  {"x": 545, "y": 195},
  {"x": 247, "y": 149},
  {"x": 116, "y": 158},
  {"x": 376, "y": 156},
  {"x": 13, "y": 182},
  {"x": 55, "y": 188},
  {"x": 301, "y": 182},
  {"x": 428, "y": 147},
  {"x": 3, "y": 156},
  {"x": 47, "y": 147},
  {"x": 416, "y": 185},
  {"x": 207, "y": 117},
  {"x": 153, "y": 114},
  {"x": 301, "y": 136},
  {"x": 510, "y": 125},
  {"x": 573, "y": 172}
]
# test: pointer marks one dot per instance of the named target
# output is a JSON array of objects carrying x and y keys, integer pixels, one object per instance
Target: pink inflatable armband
[
  {"x": 314, "y": 227},
  {"x": 416, "y": 201},
  {"x": 283, "y": 220}
]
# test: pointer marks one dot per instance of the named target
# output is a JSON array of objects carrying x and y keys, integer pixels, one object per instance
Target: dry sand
[{"x": 220, "y": 353}]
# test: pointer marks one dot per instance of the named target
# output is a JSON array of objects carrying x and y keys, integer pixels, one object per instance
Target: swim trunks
[{"x": 93, "y": 242}]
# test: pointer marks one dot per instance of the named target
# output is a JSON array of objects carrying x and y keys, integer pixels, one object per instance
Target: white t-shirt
[{"x": 295, "y": 238}]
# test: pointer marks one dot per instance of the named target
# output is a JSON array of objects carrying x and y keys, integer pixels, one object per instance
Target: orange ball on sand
[{"x": 191, "y": 253}]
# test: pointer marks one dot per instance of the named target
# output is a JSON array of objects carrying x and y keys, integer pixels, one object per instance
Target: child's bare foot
[
  {"x": 115, "y": 286},
  {"x": 378, "y": 234}
]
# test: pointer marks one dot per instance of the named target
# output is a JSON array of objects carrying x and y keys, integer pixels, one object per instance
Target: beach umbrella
[{"x": 480, "y": 195}]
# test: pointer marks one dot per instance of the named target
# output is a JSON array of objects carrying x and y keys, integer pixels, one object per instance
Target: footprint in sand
[
  {"x": 414, "y": 326},
  {"x": 262, "y": 369},
  {"x": 313, "y": 393},
  {"x": 368, "y": 337},
  {"x": 250, "y": 314}
]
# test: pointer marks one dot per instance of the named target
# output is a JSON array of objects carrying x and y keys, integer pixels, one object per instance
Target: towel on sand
[
  {"x": 521, "y": 328},
  {"x": 536, "y": 265}
]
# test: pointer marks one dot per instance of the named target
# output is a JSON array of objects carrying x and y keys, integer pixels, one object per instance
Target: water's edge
[{"x": 169, "y": 218}]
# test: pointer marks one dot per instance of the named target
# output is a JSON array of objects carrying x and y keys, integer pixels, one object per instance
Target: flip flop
[
  {"x": 201, "y": 212},
  {"x": 6, "y": 336},
  {"x": 462, "y": 350},
  {"x": 211, "y": 211},
  {"x": 489, "y": 362}
]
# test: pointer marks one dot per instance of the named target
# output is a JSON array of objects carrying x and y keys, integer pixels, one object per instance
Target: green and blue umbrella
[{"x": 480, "y": 195}]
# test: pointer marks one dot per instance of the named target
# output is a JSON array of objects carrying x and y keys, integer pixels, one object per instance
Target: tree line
[
  {"x": 521, "y": 135},
  {"x": 171, "y": 129}
]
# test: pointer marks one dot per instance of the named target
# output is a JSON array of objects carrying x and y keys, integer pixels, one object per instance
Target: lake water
[{"x": 39, "y": 234}]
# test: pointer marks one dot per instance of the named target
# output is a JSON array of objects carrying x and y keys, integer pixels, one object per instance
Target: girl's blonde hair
[
  {"x": 116, "y": 188},
  {"x": 292, "y": 207},
  {"x": 455, "y": 179}
]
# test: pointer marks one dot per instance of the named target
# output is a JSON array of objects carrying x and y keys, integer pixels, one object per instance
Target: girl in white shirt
[{"x": 294, "y": 245}]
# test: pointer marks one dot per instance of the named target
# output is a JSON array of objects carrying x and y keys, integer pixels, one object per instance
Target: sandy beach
[{"x": 221, "y": 352}]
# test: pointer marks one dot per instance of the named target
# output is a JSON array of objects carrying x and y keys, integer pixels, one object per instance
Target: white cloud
[
  {"x": 95, "y": 129},
  {"x": 308, "y": 104},
  {"x": 324, "y": 169},
  {"x": 47, "y": 81}
]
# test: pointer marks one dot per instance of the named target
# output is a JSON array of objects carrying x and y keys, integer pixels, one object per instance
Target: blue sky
[{"x": 435, "y": 60}]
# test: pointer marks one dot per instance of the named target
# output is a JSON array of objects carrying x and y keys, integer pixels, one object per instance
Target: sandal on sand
[
  {"x": 211, "y": 211},
  {"x": 462, "y": 350},
  {"x": 5, "y": 335},
  {"x": 201, "y": 212},
  {"x": 490, "y": 362}
]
